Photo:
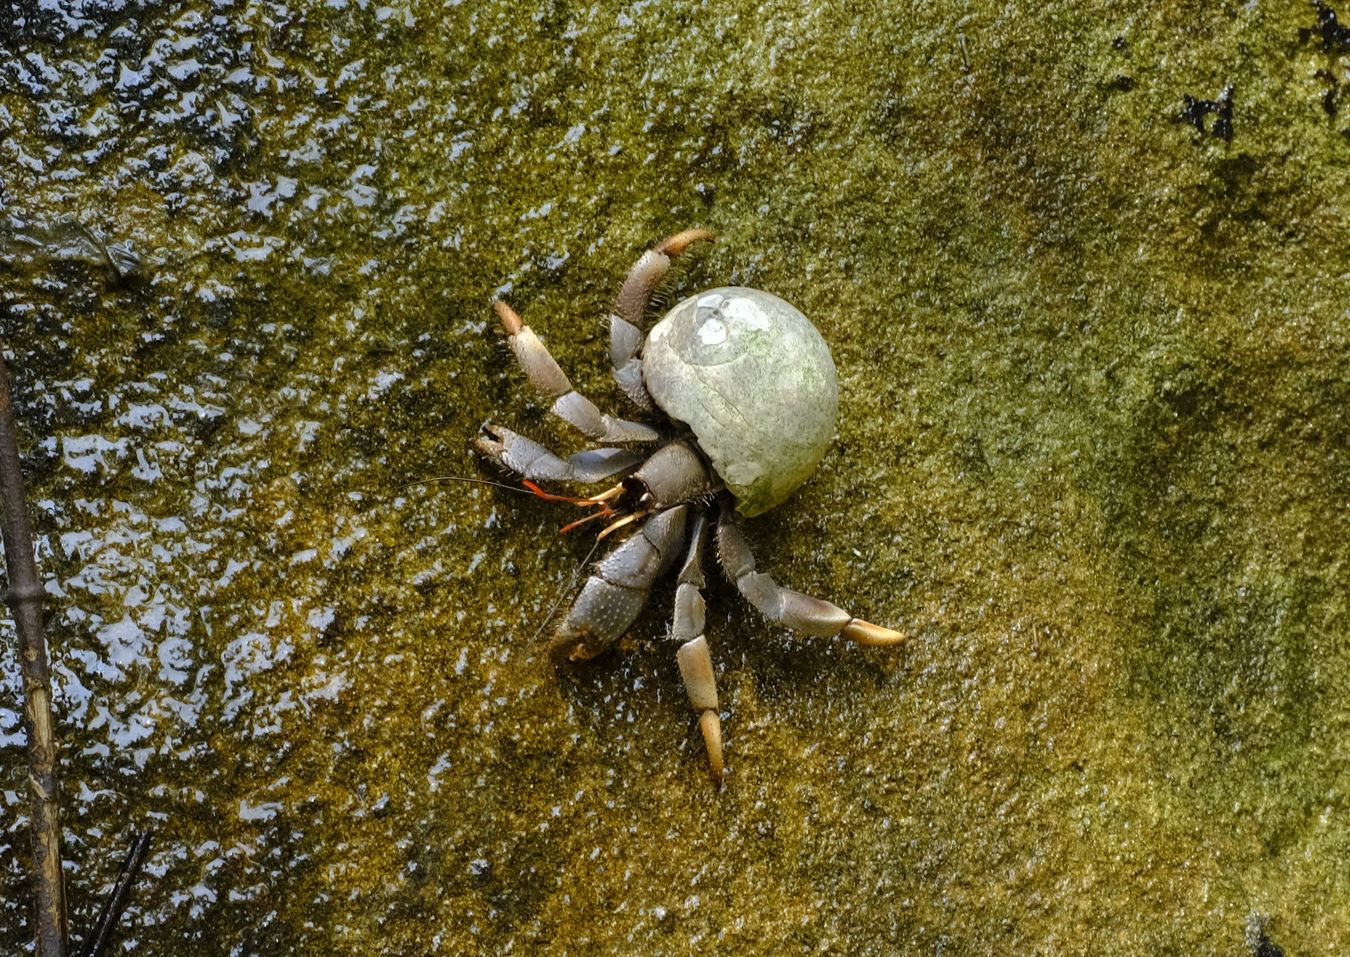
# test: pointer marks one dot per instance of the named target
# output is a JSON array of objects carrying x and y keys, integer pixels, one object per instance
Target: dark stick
[
  {"x": 116, "y": 903},
  {"x": 25, "y": 600}
]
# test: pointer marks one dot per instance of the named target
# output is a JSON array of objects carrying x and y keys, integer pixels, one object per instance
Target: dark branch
[
  {"x": 25, "y": 601},
  {"x": 116, "y": 902}
]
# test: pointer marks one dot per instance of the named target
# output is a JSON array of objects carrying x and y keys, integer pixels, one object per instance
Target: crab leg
[
  {"x": 626, "y": 328},
  {"x": 693, "y": 657},
  {"x": 618, "y": 587},
  {"x": 569, "y": 405},
  {"x": 673, "y": 475},
  {"x": 811, "y": 616},
  {"x": 530, "y": 460}
]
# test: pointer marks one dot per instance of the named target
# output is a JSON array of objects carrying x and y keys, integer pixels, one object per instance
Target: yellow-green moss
[{"x": 1092, "y": 453}]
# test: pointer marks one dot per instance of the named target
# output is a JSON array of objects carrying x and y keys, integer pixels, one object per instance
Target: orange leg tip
[
  {"x": 681, "y": 241},
  {"x": 588, "y": 501},
  {"x": 866, "y": 633},
  {"x": 548, "y": 496},
  {"x": 510, "y": 321}
]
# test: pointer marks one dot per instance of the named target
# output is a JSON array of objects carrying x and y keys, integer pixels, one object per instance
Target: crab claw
[{"x": 515, "y": 453}]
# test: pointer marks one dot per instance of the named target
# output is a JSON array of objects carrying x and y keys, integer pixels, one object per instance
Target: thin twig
[
  {"x": 116, "y": 901},
  {"x": 25, "y": 600},
  {"x": 563, "y": 592},
  {"x": 467, "y": 481}
]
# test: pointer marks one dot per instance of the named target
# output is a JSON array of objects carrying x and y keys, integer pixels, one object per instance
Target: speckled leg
[
  {"x": 693, "y": 656},
  {"x": 529, "y": 459},
  {"x": 617, "y": 589},
  {"x": 811, "y": 616},
  {"x": 626, "y": 328},
  {"x": 569, "y": 405}
]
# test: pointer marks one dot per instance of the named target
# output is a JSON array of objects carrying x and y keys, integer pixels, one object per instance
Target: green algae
[{"x": 1092, "y": 453}]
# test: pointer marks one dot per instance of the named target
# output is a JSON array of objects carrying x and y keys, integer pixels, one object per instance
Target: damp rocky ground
[{"x": 1084, "y": 274}]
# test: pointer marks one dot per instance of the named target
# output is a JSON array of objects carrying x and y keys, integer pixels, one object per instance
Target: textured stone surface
[{"x": 1092, "y": 451}]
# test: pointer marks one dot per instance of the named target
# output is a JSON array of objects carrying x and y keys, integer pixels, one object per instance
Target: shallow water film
[{"x": 1083, "y": 271}]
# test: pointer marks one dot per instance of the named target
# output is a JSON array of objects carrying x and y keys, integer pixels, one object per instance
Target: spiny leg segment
[
  {"x": 569, "y": 405},
  {"x": 530, "y": 460},
  {"x": 617, "y": 589},
  {"x": 811, "y": 616},
  {"x": 693, "y": 657},
  {"x": 627, "y": 331}
]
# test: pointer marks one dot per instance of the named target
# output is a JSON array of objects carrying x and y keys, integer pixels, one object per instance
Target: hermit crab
[{"x": 744, "y": 391}]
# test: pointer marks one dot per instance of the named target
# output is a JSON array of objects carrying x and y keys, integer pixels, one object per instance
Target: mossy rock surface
[{"x": 1083, "y": 272}]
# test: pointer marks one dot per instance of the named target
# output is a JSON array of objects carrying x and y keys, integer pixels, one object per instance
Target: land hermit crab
[{"x": 747, "y": 391}]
